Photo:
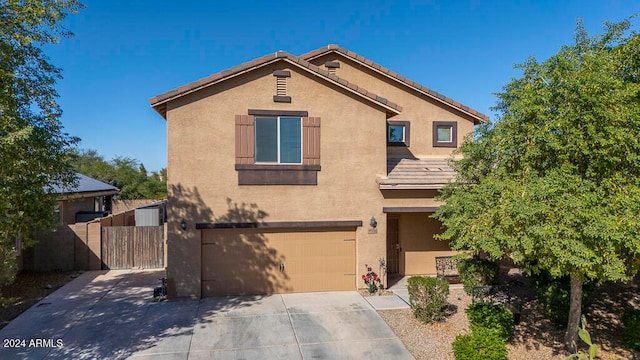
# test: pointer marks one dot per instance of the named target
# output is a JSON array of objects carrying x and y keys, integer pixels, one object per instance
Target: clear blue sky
[{"x": 125, "y": 52}]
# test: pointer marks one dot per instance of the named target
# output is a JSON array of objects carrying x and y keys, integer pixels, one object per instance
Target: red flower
[{"x": 368, "y": 269}]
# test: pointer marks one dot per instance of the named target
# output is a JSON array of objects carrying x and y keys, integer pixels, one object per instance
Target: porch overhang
[
  {"x": 409, "y": 209},
  {"x": 416, "y": 174}
]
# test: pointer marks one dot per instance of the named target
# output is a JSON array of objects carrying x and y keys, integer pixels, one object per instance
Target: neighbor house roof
[
  {"x": 159, "y": 102},
  {"x": 86, "y": 186},
  {"x": 414, "y": 173},
  {"x": 478, "y": 116}
]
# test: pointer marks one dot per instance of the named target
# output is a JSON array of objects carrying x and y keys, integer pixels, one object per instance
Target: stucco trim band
[
  {"x": 258, "y": 174},
  {"x": 282, "y": 224}
]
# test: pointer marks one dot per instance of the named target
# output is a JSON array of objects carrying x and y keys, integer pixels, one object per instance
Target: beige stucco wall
[
  {"x": 419, "y": 248},
  {"x": 419, "y": 109},
  {"x": 202, "y": 179},
  {"x": 410, "y": 198}
]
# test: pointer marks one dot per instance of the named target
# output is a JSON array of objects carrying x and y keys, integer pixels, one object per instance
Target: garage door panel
[
  {"x": 248, "y": 261},
  {"x": 240, "y": 266}
]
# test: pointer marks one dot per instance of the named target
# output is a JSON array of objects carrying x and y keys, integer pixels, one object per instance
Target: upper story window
[
  {"x": 270, "y": 151},
  {"x": 278, "y": 140},
  {"x": 445, "y": 134},
  {"x": 398, "y": 133}
]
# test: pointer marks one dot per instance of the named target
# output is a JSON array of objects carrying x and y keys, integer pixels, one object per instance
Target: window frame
[
  {"x": 454, "y": 134},
  {"x": 407, "y": 132},
  {"x": 278, "y": 140}
]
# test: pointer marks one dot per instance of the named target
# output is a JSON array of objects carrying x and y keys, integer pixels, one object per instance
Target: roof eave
[
  {"x": 159, "y": 102},
  {"x": 478, "y": 118},
  {"x": 87, "y": 194}
]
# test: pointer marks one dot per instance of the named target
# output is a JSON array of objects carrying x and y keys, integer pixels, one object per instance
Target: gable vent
[
  {"x": 281, "y": 86},
  {"x": 332, "y": 66}
]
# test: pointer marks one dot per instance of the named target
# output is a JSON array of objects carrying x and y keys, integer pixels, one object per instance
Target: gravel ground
[
  {"x": 535, "y": 337},
  {"x": 430, "y": 341},
  {"x": 27, "y": 289}
]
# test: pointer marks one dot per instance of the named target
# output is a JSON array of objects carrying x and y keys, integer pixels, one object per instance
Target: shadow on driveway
[{"x": 111, "y": 314}]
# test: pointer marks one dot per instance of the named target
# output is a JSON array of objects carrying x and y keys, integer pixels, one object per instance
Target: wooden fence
[{"x": 124, "y": 247}]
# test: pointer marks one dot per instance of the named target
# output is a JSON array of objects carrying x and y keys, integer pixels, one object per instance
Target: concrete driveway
[{"x": 111, "y": 315}]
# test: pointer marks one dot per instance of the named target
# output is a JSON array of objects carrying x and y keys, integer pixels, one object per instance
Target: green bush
[
  {"x": 477, "y": 272},
  {"x": 482, "y": 344},
  {"x": 631, "y": 323},
  {"x": 428, "y": 297},
  {"x": 494, "y": 317},
  {"x": 554, "y": 294}
]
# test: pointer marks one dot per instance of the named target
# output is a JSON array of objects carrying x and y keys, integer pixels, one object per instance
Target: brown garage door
[{"x": 255, "y": 261}]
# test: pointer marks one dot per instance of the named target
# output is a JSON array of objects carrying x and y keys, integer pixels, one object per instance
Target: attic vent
[
  {"x": 332, "y": 66},
  {"x": 281, "y": 86}
]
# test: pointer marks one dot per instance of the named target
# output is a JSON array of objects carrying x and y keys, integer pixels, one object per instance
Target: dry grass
[{"x": 535, "y": 337}]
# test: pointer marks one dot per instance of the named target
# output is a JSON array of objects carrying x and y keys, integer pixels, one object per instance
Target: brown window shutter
[
  {"x": 244, "y": 139},
  {"x": 311, "y": 140}
]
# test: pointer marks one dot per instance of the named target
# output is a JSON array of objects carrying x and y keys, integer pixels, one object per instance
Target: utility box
[{"x": 148, "y": 217}]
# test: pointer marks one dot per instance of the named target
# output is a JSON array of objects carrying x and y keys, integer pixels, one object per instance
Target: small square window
[
  {"x": 445, "y": 134},
  {"x": 398, "y": 133}
]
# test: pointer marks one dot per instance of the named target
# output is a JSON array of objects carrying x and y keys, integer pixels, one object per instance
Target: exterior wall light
[
  {"x": 183, "y": 225},
  {"x": 373, "y": 222}
]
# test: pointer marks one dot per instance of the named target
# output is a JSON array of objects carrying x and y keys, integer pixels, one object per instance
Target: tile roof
[
  {"x": 381, "y": 69},
  {"x": 159, "y": 102},
  {"x": 85, "y": 185},
  {"x": 414, "y": 173}
]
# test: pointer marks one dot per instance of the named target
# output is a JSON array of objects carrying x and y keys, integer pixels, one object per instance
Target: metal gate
[{"x": 124, "y": 247}]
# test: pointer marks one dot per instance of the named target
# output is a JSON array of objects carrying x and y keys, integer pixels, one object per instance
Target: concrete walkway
[
  {"x": 401, "y": 298},
  {"x": 111, "y": 315}
]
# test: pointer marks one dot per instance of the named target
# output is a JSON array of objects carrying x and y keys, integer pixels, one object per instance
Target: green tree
[
  {"x": 33, "y": 147},
  {"x": 555, "y": 182},
  {"x": 127, "y": 174},
  {"x": 92, "y": 164}
]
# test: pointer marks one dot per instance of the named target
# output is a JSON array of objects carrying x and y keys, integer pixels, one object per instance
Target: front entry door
[{"x": 393, "y": 245}]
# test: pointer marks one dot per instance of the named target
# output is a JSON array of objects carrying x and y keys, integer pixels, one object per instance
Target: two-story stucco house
[{"x": 291, "y": 173}]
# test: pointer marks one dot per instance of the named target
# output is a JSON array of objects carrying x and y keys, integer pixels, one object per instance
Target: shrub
[
  {"x": 554, "y": 294},
  {"x": 476, "y": 272},
  {"x": 482, "y": 344},
  {"x": 631, "y": 324},
  {"x": 493, "y": 317},
  {"x": 427, "y": 297}
]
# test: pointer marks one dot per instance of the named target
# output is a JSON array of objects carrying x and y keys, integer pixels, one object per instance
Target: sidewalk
[{"x": 401, "y": 298}]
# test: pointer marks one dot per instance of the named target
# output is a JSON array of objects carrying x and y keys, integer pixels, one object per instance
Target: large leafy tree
[
  {"x": 554, "y": 183},
  {"x": 33, "y": 147}
]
